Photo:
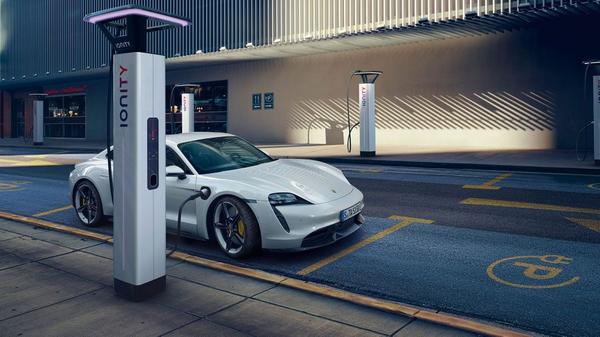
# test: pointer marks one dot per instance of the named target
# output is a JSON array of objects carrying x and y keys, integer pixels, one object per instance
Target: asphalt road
[{"x": 517, "y": 248}]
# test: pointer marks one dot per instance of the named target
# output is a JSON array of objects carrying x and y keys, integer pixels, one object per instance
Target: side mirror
[{"x": 175, "y": 171}]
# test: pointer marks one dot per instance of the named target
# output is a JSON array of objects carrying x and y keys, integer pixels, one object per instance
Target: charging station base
[
  {"x": 367, "y": 153},
  {"x": 137, "y": 293}
]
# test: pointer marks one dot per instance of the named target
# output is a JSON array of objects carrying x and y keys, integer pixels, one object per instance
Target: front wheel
[
  {"x": 88, "y": 204},
  {"x": 236, "y": 228}
]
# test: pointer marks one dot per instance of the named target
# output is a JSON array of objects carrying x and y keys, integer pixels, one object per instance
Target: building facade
[{"x": 458, "y": 75}]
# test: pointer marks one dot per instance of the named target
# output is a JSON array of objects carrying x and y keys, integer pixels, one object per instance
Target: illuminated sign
[{"x": 68, "y": 90}]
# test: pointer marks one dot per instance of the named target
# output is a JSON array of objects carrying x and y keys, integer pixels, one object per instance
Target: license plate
[{"x": 351, "y": 211}]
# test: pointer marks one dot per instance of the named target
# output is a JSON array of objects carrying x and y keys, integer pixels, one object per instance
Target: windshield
[{"x": 222, "y": 154}]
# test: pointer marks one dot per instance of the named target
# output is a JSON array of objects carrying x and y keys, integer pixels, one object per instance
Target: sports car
[{"x": 257, "y": 202}]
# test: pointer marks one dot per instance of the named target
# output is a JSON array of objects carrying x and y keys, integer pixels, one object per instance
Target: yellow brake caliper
[{"x": 240, "y": 227}]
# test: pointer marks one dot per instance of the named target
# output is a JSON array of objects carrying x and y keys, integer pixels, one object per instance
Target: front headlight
[{"x": 277, "y": 199}]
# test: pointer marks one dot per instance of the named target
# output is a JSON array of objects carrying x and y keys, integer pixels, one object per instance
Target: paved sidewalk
[
  {"x": 56, "y": 284},
  {"x": 559, "y": 161}
]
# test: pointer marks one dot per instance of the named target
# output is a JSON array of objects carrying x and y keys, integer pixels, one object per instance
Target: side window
[{"x": 172, "y": 158}]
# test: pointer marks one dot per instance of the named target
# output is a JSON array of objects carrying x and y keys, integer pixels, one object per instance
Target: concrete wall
[{"x": 514, "y": 90}]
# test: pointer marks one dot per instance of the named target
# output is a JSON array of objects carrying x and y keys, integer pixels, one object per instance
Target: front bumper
[{"x": 310, "y": 226}]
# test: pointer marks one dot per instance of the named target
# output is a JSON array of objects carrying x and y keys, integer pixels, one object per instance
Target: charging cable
[
  {"x": 579, "y": 158},
  {"x": 350, "y": 126},
  {"x": 203, "y": 194},
  {"x": 109, "y": 120}
]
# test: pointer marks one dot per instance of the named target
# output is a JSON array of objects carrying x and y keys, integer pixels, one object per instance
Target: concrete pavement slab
[
  {"x": 426, "y": 329},
  {"x": 8, "y": 260},
  {"x": 4, "y": 235},
  {"x": 32, "y": 249},
  {"x": 60, "y": 239},
  {"x": 99, "y": 313},
  {"x": 88, "y": 266},
  {"x": 336, "y": 310},
  {"x": 69, "y": 241},
  {"x": 194, "y": 298},
  {"x": 18, "y": 228},
  {"x": 21, "y": 292},
  {"x": 262, "y": 319},
  {"x": 206, "y": 328},
  {"x": 106, "y": 250},
  {"x": 228, "y": 282}
]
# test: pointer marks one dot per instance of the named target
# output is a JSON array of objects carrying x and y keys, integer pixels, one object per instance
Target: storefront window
[
  {"x": 65, "y": 116},
  {"x": 210, "y": 102}
]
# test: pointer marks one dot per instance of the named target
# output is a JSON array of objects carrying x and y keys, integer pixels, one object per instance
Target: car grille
[{"x": 328, "y": 234}]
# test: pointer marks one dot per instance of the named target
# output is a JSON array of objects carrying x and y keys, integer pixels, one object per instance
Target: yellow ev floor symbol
[
  {"x": 532, "y": 272},
  {"x": 595, "y": 186},
  {"x": 11, "y": 186}
]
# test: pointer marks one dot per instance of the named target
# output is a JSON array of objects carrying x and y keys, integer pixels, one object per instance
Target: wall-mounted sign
[
  {"x": 256, "y": 101},
  {"x": 269, "y": 100},
  {"x": 69, "y": 90}
]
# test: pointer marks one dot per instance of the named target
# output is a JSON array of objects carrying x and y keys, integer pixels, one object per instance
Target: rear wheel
[
  {"x": 236, "y": 228},
  {"x": 88, "y": 204}
]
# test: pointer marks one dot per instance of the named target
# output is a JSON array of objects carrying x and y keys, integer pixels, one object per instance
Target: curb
[
  {"x": 306, "y": 286},
  {"x": 427, "y": 164}
]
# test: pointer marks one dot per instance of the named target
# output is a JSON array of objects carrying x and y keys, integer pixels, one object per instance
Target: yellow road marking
[
  {"x": 489, "y": 185},
  {"x": 2, "y": 160},
  {"x": 589, "y": 223},
  {"x": 404, "y": 221},
  {"x": 527, "y": 205},
  {"x": 309, "y": 287},
  {"x": 56, "y": 210}
]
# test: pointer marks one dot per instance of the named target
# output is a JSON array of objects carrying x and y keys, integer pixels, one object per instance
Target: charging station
[
  {"x": 366, "y": 108},
  {"x": 38, "y": 118},
  {"x": 138, "y": 113},
  {"x": 596, "y": 125},
  {"x": 187, "y": 113},
  {"x": 366, "y": 103}
]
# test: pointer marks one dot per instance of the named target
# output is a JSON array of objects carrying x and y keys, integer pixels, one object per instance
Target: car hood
[{"x": 311, "y": 180}]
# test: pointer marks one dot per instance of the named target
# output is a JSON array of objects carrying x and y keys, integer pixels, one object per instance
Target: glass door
[{"x": 18, "y": 118}]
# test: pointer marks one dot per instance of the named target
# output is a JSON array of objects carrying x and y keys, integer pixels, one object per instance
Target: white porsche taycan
[{"x": 257, "y": 202}]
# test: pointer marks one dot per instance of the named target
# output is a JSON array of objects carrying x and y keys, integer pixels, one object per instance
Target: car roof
[{"x": 191, "y": 136}]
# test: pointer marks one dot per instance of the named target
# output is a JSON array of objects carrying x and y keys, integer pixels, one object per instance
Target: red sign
[{"x": 68, "y": 90}]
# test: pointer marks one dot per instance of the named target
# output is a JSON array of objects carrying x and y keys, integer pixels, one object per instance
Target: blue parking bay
[
  {"x": 291, "y": 263},
  {"x": 544, "y": 284},
  {"x": 29, "y": 196}
]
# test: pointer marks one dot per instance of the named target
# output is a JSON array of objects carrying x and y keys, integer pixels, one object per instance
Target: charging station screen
[{"x": 152, "y": 153}]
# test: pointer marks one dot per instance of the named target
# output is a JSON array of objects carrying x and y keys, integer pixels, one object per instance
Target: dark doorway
[
  {"x": 18, "y": 117},
  {"x": 210, "y": 103}
]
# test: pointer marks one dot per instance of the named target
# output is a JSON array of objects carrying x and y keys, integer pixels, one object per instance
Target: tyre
[
  {"x": 235, "y": 227},
  {"x": 88, "y": 204}
]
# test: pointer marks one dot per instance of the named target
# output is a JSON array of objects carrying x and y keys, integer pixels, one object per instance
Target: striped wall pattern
[{"x": 48, "y": 37}]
